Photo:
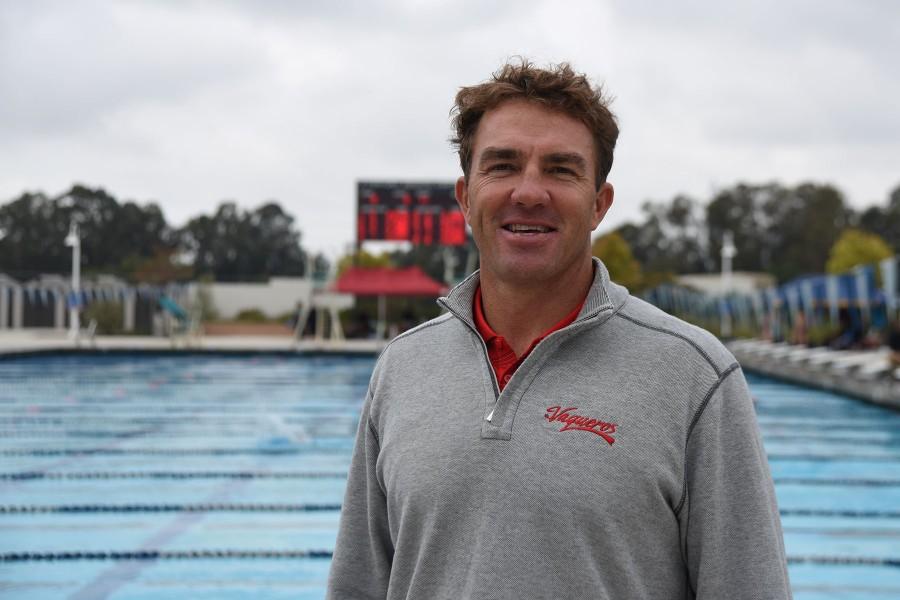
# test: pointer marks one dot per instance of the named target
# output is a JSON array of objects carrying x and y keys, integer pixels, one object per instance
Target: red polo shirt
[{"x": 503, "y": 360}]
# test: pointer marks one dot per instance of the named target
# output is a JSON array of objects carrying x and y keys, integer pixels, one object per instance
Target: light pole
[
  {"x": 74, "y": 241},
  {"x": 728, "y": 252}
]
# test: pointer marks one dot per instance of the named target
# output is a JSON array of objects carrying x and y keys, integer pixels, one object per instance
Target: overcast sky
[{"x": 188, "y": 103}]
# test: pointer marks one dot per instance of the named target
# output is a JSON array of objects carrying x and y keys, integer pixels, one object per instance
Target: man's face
[{"x": 531, "y": 197}]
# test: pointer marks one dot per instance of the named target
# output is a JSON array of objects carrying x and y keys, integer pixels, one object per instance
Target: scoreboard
[{"x": 421, "y": 213}]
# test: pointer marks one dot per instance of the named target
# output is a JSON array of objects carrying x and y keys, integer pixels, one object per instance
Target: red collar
[{"x": 503, "y": 360}]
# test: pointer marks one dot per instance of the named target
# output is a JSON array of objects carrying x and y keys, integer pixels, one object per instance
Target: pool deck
[
  {"x": 864, "y": 374},
  {"x": 40, "y": 341}
]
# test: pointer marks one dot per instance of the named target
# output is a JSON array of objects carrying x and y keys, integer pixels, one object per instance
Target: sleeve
[
  {"x": 730, "y": 525},
  {"x": 361, "y": 566}
]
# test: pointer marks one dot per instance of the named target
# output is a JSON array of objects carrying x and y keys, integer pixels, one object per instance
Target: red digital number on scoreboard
[
  {"x": 396, "y": 225},
  {"x": 453, "y": 228},
  {"x": 424, "y": 213}
]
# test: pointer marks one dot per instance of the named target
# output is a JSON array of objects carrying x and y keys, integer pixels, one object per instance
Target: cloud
[
  {"x": 193, "y": 102},
  {"x": 67, "y": 66},
  {"x": 769, "y": 73}
]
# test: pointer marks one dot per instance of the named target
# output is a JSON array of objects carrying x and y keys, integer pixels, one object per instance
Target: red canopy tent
[{"x": 387, "y": 281}]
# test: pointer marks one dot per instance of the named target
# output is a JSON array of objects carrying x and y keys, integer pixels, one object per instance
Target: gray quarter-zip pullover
[{"x": 621, "y": 461}]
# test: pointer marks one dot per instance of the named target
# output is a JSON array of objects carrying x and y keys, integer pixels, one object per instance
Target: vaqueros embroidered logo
[{"x": 574, "y": 422}]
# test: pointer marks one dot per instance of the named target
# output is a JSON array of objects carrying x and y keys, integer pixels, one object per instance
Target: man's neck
[{"x": 522, "y": 312}]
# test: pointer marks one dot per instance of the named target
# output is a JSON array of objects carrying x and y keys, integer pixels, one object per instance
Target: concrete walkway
[
  {"x": 862, "y": 374},
  {"x": 865, "y": 374},
  {"x": 30, "y": 341}
]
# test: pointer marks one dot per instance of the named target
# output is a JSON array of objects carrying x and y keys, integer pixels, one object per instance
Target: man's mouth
[{"x": 526, "y": 229}]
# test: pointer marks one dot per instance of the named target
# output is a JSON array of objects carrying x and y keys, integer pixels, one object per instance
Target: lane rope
[
  {"x": 837, "y": 481},
  {"x": 305, "y": 449},
  {"x": 154, "y": 508},
  {"x": 182, "y": 475},
  {"x": 172, "y": 451},
  {"x": 39, "y": 475},
  {"x": 834, "y": 457},
  {"x": 11, "y": 557},
  {"x": 843, "y": 561},
  {"x": 161, "y": 555},
  {"x": 283, "y": 507},
  {"x": 33, "y": 475},
  {"x": 852, "y": 514}
]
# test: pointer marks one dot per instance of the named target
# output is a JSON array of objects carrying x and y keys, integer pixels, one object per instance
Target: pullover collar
[
  {"x": 603, "y": 295},
  {"x": 603, "y": 299},
  {"x": 502, "y": 357}
]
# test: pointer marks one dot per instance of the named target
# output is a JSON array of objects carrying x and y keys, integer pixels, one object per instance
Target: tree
[
  {"x": 320, "y": 267},
  {"x": 884, "y": 222},
  {"x": 143, "y": 231},
  {"x": 854, "y": 248},
  {"x": 781, "y": 230},
  {"x": 135, "y": 241},
  {"x": 33, "y": 237},
  {"x": 672, "y": 237},
  {"x": 244, "y": 246},
  {"x": 363, "y": 259},
  {"x": 285, "y": 255},
  {"x": 741, "y": 210},
  {"x": 616, "y": 254},
  {"x": 432, "y": 259},
  {"x": 113, "y": 236},
  {"x": 164, "y": 266},
  {"x": 803, "y": 225}
]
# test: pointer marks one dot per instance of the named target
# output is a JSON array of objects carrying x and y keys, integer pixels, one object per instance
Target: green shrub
[
  {"x": 204, "y": 301},
  {"x": 285, "y": 317},
  {"x": 821, "y": 334},
  {"x": 109, "y": 317},
  {"x": 252, "y": 315}
]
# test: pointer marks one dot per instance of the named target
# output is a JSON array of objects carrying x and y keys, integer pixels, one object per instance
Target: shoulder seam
[
  {"x": 680, "y": 336},
  {"x": 374, "y": 432},
  {"x": 712, "y": 390},
  {"x": 367, "y": 414},
  {"x": 435, "y": 321}
]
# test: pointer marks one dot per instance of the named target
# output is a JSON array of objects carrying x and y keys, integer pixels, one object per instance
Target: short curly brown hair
[{"x": 557, "y": 87}]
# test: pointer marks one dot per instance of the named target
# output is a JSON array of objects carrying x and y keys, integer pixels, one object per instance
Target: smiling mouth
[{"x": 527, "y": 229}]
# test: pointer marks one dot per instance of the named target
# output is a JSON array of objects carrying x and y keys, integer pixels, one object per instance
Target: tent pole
[{"x": 381, "y": 331}]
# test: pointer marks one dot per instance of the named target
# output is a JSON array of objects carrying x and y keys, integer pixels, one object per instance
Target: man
[
  {"x": 551, "y": 436},
  {"x": 893, "y": 342}
]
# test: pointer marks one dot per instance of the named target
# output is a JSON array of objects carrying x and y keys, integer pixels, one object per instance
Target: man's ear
[
  {"x": 602, "y": 201},
  {"x": 462, "y": 197}
]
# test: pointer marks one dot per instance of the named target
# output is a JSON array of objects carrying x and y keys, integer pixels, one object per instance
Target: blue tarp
[
  {"x": 857, "y": 289},
  {"x": 173, "y": 308}
]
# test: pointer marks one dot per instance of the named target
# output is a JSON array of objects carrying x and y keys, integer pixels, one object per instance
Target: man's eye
[
  {"x": 562, "y": 170},
  {"x": 501, "y": 167}
]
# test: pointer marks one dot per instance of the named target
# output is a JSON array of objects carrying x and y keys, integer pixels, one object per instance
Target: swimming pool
[{"x": 198, "y": 476}]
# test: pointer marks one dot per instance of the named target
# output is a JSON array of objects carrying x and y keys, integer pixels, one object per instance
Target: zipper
[
  {"x": 574, "y": 325},
  {"x": 484, "y": 351}
]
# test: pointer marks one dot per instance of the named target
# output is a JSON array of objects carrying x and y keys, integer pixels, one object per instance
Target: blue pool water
[{"x": 221, "y": 477}]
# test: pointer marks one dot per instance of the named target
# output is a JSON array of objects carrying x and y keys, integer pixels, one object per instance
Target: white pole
[
  {"x": 4, "y": 306},
  {"x": 728, "y": 252},
  {"x": 449, "y": 265},
  {"x": 862, "y": 295},
  {"x": 74, "y": 241}
]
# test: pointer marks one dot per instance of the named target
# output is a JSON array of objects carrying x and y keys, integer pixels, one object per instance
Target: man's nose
[{"x": 529, "y": 189}]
